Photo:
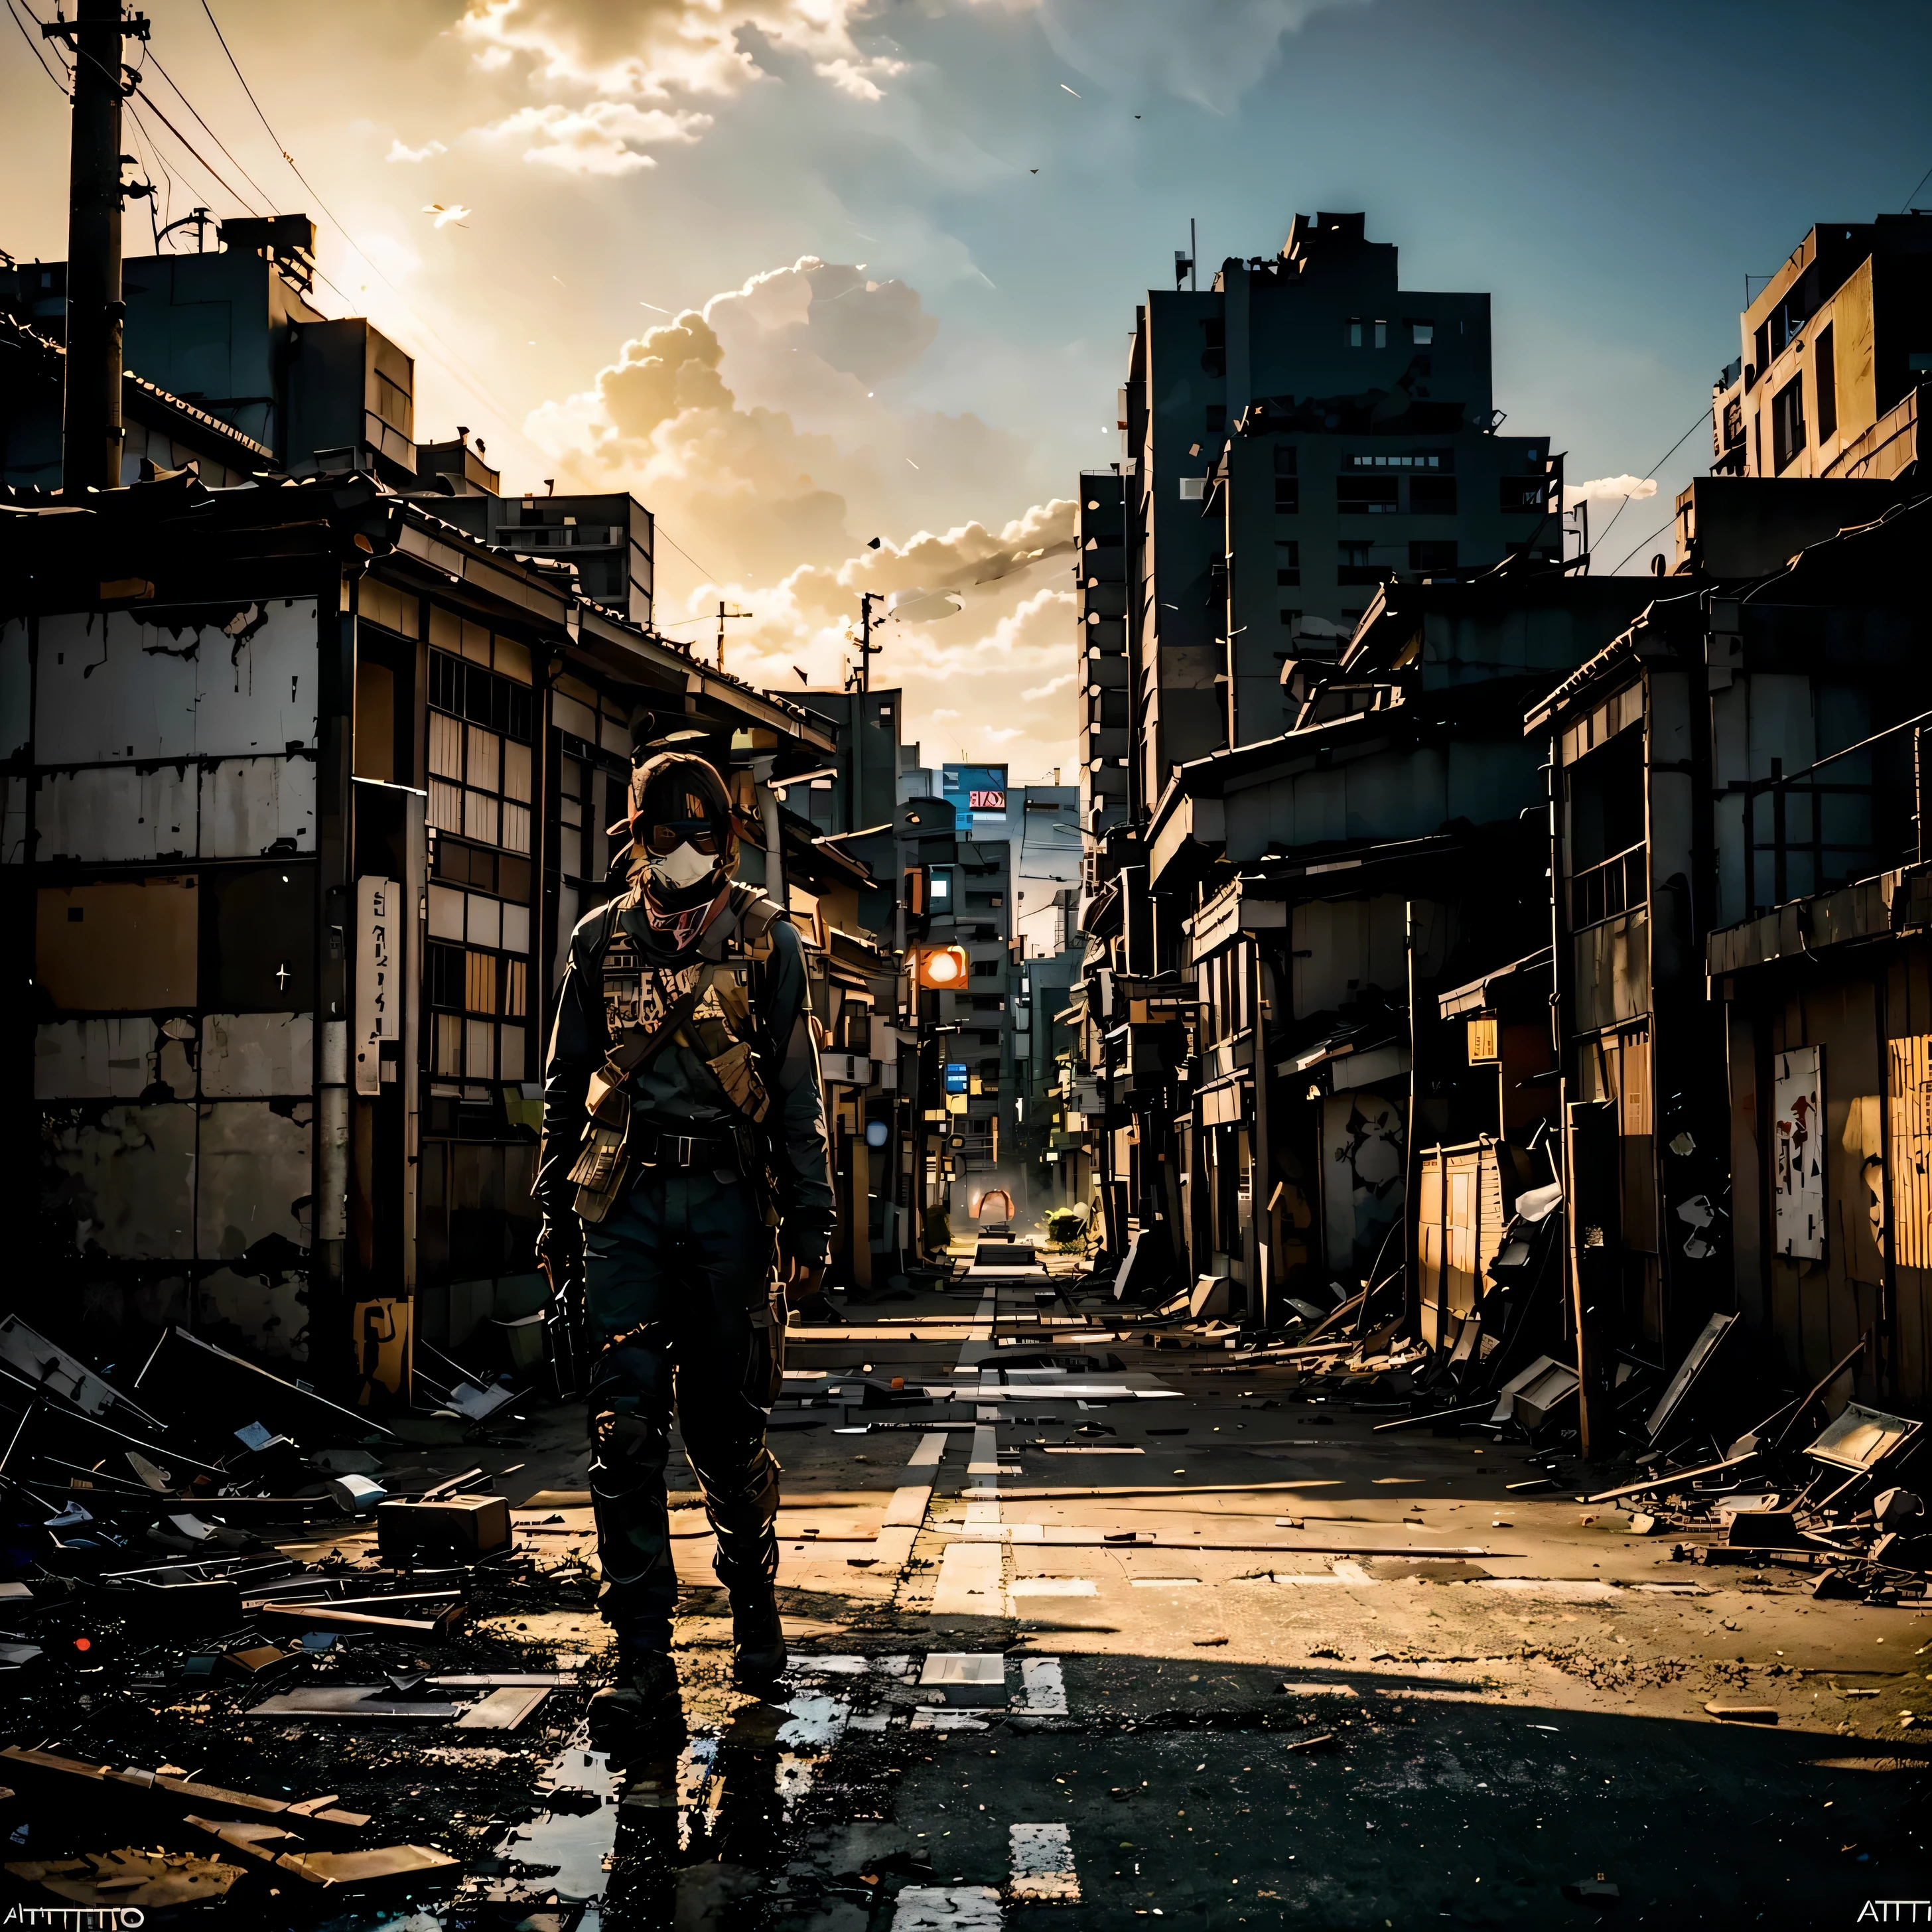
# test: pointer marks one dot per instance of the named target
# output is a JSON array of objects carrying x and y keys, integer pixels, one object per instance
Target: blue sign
[
  {"x": 979, "y": 790},
  {"x": 955, "y": 1076}
]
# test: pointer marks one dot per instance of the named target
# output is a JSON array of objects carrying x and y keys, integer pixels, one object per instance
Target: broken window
[
  {"x": 1421, "y": 333},
  {"x": 1353, "y": 564},
  {"x": 1366, "y": 495},
  {"x": 1825, "y": 374},
  {"x": 1787, "y": 424}
]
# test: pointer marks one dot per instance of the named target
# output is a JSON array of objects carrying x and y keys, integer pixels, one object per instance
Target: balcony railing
[{"x": 1851, "y": 814}]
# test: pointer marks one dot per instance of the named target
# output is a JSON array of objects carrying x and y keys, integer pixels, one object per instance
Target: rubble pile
[{"x": 229, "y": 1622}]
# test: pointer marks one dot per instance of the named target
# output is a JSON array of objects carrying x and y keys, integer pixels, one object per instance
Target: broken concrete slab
[{"x": 117, "y": 1882}]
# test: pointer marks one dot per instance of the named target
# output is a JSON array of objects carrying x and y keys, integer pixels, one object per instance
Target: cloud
[
  {"x": 1047, "y": 689},
  {"x": 603, "y": 138},
  {"x": 1608, "y": 490},
  {"x": 762, "y": 428},
  {"x": 1132, "y": 45},
  {"x": 397, "y": 152},
  {"x": 658, "y": 50}
]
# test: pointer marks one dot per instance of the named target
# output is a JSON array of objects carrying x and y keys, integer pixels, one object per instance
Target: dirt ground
[{"x": 1245, "y": 1660}]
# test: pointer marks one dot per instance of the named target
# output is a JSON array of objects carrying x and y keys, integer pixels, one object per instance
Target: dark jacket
[{"x": 677, "y": 1089}]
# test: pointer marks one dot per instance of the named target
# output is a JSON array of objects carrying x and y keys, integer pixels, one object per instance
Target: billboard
[
  {"x": 955, "y": 1076},
  {"x": 980, "y": 791}
]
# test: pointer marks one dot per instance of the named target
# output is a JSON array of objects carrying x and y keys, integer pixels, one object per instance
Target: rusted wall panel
[
  {"x": 110, "y": 687},
  {"x": 94, "y": 1059},
  {"x": 255, "y": 1178},
  {"x": 119, "y": 945},
  {"x": 1612, "y": 972},
  {"x": 250, "y": 1055},
  {"x": 114, "y": 814},
  {"x": 250, "y": 806},
  {"x": 120, "y": 1179}
]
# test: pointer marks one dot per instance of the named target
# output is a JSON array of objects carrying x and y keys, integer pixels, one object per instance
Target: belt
[{"x": 656, "y": 1148}]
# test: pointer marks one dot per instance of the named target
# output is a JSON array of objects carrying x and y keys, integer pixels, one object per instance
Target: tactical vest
[{"x": 705, "y": 1007}]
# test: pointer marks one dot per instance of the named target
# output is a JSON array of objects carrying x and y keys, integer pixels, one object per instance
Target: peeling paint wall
[{"x": 172, "y": 803}]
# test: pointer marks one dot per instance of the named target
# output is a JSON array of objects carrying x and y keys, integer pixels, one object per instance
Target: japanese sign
[
  {"x": 378, "y": 977},
  {"x": 979, "y": 791}
]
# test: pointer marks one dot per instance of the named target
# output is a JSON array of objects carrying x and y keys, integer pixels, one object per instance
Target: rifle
[{"x": 564, "y": 1325}]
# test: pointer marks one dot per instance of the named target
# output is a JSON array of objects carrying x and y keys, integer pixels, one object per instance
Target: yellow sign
[{"x": 1482, "y": 1039}]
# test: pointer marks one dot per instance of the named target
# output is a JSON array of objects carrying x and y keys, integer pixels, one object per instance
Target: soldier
[{"x": 684, "y": 1139}]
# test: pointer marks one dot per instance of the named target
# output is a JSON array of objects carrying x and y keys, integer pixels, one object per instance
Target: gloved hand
[{"x": 560, "y": 1251}]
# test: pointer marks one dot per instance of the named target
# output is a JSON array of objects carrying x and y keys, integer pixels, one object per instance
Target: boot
[
  {"x": 643, "y": 1680},
  {"x": 758, "y": 1655}
]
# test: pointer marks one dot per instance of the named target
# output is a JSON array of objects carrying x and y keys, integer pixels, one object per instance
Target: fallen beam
[
  {"x": 76, "y": 1779},
  {"x": 1675, "y": 1476},
  {"x": 1482, "y": 1408}
]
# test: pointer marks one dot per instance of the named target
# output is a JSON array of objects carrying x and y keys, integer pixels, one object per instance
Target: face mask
[{"x": 683, "y": 866}]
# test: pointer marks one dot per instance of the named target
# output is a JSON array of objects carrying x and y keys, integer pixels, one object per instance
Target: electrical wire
[
  {"x": 34, "y": 47},
  {"x": 1652, "y": 471},
  {"x": 267, "y": 199},
  {"x": 451, "y": 360},
  {"x": 207, "y": 166},
  {"x": 1906, "y": 208},
  {"x": 1657, "y": 532}
]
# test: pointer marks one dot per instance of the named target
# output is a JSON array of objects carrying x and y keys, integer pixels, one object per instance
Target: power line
[
  {"x": 658, "y": 530},
  {"x": 1704, "y": 417},
  {"x": 1927, "y": 176},
  {"x": 208, "y": 167},
  {"x": 35, "y": 47},
  {"x": 451, "y": 360},
  {"x": 267, "y": 199},
  {"x": 1657, "y": 532}
]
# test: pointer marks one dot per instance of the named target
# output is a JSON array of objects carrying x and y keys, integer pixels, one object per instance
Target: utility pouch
[
  {"x": 736, "y": 1070},
  {"x": 768, "y": 1320},
  {"x": 602, "y": 1166}
]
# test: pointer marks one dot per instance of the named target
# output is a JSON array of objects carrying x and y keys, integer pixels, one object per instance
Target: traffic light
[{"x": 943, "y": 968}]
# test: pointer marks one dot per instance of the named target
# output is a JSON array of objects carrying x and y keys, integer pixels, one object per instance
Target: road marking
[
  {"x": 936, "y": 1908},
  {"x": 1042, "y": 1865},
  {"x": 1042, "y": 1687},
  {"x": 969, "y": 1580}
]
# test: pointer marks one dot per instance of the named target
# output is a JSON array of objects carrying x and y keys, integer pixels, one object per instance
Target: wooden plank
[{"x": 503, "y": 1710}]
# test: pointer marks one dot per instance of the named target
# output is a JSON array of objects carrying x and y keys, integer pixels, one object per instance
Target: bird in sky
[{"x": 445, "y": 216}]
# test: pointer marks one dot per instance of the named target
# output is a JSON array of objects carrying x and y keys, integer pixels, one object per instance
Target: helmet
[{"x": 684, "y": 843}]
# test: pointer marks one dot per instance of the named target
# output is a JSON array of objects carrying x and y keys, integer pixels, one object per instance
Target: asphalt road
[{"x": 1192, "y": 1647}]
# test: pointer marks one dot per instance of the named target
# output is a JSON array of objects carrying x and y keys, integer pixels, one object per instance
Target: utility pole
[
  {"x": 90, "y": 427},
  {"x": 868, "y": 650},
  {"x": 723, "y": 612}
]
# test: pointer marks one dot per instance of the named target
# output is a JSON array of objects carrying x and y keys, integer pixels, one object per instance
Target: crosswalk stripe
[
  {"x": 940, "y": 1908},
  {"x": 1042, "y": 1865}
]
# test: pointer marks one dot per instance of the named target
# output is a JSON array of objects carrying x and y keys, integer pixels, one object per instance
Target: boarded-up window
[
  {"x": 1798, "y": 1153},
  {"x": 124, "y": 945},
  {"x": 479, "y": 991},
  {"x": 445, "y": 745}
]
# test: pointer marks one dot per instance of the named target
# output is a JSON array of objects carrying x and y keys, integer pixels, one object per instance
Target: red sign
[{"x": 986, "y": 801}]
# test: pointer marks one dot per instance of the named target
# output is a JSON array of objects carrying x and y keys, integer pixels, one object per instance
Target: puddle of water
[{"x": 575, "y": 1831}]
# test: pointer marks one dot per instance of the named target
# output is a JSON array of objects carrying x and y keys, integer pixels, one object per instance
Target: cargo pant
[{"x": 677, "y": 1289}]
